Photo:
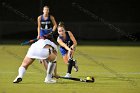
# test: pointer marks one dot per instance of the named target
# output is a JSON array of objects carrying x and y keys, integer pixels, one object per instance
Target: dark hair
[{"x": 61, "y": 24}]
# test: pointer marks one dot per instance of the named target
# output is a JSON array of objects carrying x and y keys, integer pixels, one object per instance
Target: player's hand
[
  {"x": 38, "y": 37},
  {"x": 70, "y": 53},
  {"x": 72, "y": 47},
  {"x": 69, "y": 49}
]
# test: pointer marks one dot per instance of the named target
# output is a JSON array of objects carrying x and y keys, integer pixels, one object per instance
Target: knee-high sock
[
  {"x": 70, "y": 64},
  {"x": 50, "y": 70},
  {"x": 21, "y": 71},
  {"x": 53, "y": 67}
]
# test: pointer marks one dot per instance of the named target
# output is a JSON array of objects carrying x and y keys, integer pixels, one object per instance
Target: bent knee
[{"x": 52, "y": 57}]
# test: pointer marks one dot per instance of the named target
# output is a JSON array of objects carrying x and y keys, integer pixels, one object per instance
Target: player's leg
[
  {"x": 50, "y": 70},
  {"x": 75, "y": 65},
  {"x": 55, "y": 69},
  {"x": 69, "y": 63},
  {"x": 51, "y": 67},
  {"x": 45, "y": 63},
  {"x": 70, "y": 56},
  {"x": 22, "y": 69}
]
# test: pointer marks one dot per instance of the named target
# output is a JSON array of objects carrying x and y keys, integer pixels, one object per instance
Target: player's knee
[
  {"x": 52, "y": 57},
  {"x": 26, "y": 62},
  {"x": 70, "y": 61}
]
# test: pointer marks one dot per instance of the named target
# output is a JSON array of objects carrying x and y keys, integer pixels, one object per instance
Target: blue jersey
[
  {"x": 67, "y": 41},
  {"x": 46, "y": 26}
]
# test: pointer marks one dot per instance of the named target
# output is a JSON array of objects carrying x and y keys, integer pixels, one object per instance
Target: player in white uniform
[{"x": 42, "y": 49}]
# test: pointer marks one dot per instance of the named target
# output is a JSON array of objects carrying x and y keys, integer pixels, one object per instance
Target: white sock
[
  {"x": 50, "y": 70},
  {"x": 21, "y": 71},
  {"x": 49, "y": 77},
  {"x": 53, "y": 67}
]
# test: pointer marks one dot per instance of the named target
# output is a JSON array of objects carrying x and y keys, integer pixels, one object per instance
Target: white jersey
[
  {"x": 38, "y": 51},
  {"x": 42, "y": 42}
]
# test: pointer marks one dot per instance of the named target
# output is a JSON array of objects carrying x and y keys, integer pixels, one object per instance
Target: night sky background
[{"x": 113, "y": 11}]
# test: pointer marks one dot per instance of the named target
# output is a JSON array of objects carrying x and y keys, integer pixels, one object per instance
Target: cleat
[
  {"x": 50, "y": 81},
  {"x": 17, "y": 80},
  {"x": 68, "y": 75}
]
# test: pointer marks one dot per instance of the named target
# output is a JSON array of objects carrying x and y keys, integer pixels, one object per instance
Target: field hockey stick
[
  {"x": 70, "y": 55},
  {"x": 78, "y": 79},
  {"x": 29, "y": 41},
  {"x": 33, "y": 40}
]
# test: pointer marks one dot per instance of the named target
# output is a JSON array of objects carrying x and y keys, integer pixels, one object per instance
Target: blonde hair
[
  {"x": 61, "y": 24},
  {"x": 46, "y": 7}
]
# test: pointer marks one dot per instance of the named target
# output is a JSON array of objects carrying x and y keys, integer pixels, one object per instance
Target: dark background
[{"x": 19, "y": 22}]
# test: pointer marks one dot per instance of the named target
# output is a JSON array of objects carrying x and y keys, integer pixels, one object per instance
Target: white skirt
[
  {"x": 38, "y": 53},
  {"x": 37, "y": 50}
]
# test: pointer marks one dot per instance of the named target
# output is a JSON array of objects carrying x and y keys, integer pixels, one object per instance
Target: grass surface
[{"x": 116, "y": 70}]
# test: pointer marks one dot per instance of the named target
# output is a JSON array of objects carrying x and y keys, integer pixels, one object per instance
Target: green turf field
[{"x": 116, "y": 70}]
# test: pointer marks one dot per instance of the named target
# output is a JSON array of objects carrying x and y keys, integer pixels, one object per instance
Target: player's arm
[
  {"x": 61, "y": 43},
  {"x": 73, "y": 40},
  {"x": 39, "y": 26},
  {"x": 53, "y": 22}
]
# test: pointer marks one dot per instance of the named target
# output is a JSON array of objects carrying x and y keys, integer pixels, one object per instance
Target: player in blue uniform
[
  {"x": 67, "y": 44},
  {"x": 46, "y": 24},
  {"x": 46, "y": 28}
]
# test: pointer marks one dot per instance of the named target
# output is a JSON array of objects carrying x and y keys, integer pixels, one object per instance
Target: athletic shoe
[
  {"x": 68, "y": 75},
  {"x": 75, "y": 66},
  {"x": 50, "y": 81},
  {"x": 17, "y": 80}
]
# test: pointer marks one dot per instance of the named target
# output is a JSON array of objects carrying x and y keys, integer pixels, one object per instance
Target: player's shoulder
[
  {"x": 58, "y": 39},
  {"x": 69, "y": 32},
  {"x": 51, "y": 16},
  {"x": 39, "y": 17}
]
